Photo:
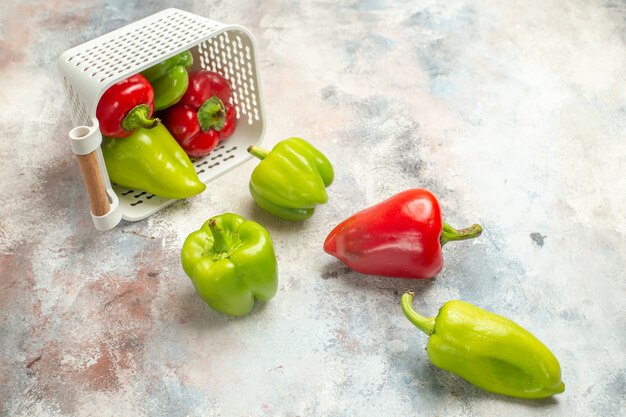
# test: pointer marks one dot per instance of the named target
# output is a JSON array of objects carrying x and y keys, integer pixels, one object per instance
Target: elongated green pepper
[
  {"x": 151, "y": 160},
  {"x": 231, "y": 263},
  {"x": 488, "y": 350},
  {"x": 291, "y": 179},
  {"x": 169, "y": 79}
]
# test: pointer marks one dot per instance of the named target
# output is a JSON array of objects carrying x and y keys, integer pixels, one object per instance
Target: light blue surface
[{"x": 513, "y": 114}]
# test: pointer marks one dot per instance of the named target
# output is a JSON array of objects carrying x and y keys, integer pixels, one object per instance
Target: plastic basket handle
[
  {"x": 98, "y": 200},
  {"x": 85, "y": 144}
]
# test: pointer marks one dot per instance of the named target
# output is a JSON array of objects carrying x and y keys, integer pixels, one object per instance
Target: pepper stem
[
  {"x": 258, "y": 152},
  {"x": 450, "y": 233},
  {"x": 138, "y": 117},
  {"x": 221, "y": 244},
  {"x": 425, "y": 324},
  {"x": 212, "y": 114}
]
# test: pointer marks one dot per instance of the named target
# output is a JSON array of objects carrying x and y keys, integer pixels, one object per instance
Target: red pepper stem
[
  {"x": 425, "y": 324},
  {"x": 139, "y": 117},
  {"x": 212, "y": 114},
  {"x": 450, "y": 233},
  {"x": 258, "y": 152}
]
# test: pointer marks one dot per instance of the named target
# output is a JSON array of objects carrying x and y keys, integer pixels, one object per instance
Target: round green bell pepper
[
  {"x": 291, "y": 179},
  {"x": 231, "y": 262},
  {"x": 169, "y": 79}
]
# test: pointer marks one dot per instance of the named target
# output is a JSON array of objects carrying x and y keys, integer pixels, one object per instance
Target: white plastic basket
[{"x": 89, "y": 69}]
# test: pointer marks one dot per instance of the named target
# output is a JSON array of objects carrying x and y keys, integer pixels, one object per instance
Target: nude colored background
[{"x": 512, "y": 113}]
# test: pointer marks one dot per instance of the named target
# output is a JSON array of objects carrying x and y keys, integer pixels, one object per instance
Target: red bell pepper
[
  {"x": 126, "y": 106},
  {"x": 204, "y": 115},
  {"x": 229, "y": 123},
  {"x": 399, "y": 237}
]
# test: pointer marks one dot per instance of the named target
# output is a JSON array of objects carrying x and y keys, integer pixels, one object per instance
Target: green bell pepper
[
  {"x": 231, "y": 263},
  {"x": 169, "y": 79},
  {"x": 488, "y": 350},
  {"x": 291, "y": 179},
  {"x": 151, "y": 160}
]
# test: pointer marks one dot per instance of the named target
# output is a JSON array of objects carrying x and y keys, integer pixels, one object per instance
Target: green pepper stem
[
  {"x": 220, "y": 242},
  {"x": 258, "y": 152},
  {"x": 449, "y": 233},
  {"x": 138, "y": 117},
  {"x": 223, "y": 244},
  {"x": 425, "y": 324}
]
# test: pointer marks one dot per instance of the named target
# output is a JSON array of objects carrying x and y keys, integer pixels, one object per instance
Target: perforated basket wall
[{"x": 90, "y": 69}]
